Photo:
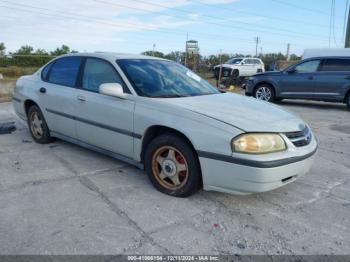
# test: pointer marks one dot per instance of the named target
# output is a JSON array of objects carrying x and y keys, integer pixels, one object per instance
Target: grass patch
[{"x": 14, "y": 72}]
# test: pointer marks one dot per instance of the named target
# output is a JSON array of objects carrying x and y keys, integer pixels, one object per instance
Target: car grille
[{"x": 300, "y": 138}]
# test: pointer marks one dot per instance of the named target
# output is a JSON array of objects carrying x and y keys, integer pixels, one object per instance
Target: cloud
[{"x": 49, "y": 23}]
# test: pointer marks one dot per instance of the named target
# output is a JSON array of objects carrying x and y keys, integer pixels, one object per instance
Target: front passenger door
[
  {"x": 104, "y": 121},
  {"x": 299, "y": 81}
]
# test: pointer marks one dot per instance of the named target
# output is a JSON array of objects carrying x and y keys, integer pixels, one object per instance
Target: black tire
[
  {"x": 266, "y": 87},
  {"x": 347, "y": 100},
  {"x": 44, "y": 136},
  {"x": 192, "y": 181},
  {"x": 235, "y": 73}
]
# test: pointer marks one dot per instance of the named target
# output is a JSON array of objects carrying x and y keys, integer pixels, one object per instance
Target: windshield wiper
[{"x": 169, "y": 96}]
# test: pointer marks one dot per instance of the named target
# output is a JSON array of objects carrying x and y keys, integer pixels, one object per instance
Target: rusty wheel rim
[
  {"x": 169, "y": 167},
  {"x": 36, "y": 125}
]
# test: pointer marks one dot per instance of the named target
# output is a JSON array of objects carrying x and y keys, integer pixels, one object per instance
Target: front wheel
[
  {"x": 265, "y": 93},
  {"x": 172, "y": 166}
]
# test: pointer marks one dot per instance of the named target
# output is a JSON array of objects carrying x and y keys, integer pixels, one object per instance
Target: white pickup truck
[{"x": 240, "y": 67}]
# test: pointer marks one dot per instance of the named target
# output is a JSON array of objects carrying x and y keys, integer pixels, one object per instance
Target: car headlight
[{"x": 258, "y": 143}]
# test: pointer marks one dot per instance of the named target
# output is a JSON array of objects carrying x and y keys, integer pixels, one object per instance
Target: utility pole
[
  {"x": 186, "y": 50},
  {"x": 257, "y": 41},
  {"x": 347, "y": 38},
  {"x": 154, "y": 47},
  {"x": 220, "y": 71},
  {"x": 288, "y": 50}
]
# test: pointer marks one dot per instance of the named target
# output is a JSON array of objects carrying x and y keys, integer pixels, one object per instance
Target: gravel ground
[{"x": 62, "y": 199}]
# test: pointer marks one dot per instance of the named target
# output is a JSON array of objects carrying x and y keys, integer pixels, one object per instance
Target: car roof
[
  {"x": 113, "y": 56},
  {"x": 326, "y": 52},
  {"x": 239, "y": 57}
]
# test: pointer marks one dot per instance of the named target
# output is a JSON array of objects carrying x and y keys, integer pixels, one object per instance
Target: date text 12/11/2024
[{"x": 173, "y": 258}]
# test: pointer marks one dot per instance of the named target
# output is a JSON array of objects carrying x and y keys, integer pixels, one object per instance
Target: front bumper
[
  {"x": 245, "y": 177},
  {"x": 249, "y": 87}
]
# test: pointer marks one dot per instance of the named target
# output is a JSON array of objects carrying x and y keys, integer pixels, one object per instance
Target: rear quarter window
[
  {"x": 336, "y": 65},
  {"x": 45, "y": 72}
]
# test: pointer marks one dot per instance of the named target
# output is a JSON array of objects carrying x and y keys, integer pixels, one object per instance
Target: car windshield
[
  {"x": 234, "y": 61},
  {"x": 162, "y": 78}
]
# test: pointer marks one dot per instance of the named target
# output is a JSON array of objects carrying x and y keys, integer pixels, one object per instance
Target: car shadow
[{"x": 314, "y": 104}]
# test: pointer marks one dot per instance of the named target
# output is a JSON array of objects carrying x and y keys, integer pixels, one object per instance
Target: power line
[
  {"x": 24, "y": 8},
  {"x": 97, "y": 20},
  {"x": 132, "y": 25},
  {"x": 333, "y": 22},
  {"x": 213, "y": 17},
  {"x": 345, "y": 18},
  {"x": 330, "y": 24},
  {"x": 94, "y": 20},
  {"x": 303, "y": 8},
  {"x": 279, "y": 19}
]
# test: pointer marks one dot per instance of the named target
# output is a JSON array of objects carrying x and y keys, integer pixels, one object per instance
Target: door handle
[
  {"x": 42, "y": 90},
  {"x": 348, "y": 77},
  {"x": 311, "y": 77},
  {"x": 81, "y": 98}
]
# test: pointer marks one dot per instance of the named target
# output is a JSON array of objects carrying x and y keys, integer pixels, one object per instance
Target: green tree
[
  {"x": 271, "y": 59},
  {"x": 155, "y": 53},
  {"x": 24, "y": 50},
  {"x": 2, "y": 49},
  {"x": 61, "y": 51},
  {"x": 41, "y": 52},
  {"x": 176, "y": 56},
  {"x": 294, "y": 57}
]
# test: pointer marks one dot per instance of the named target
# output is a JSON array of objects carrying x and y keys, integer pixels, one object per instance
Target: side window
[
  {"x": 64, "y": 71},
  {"x": 248, "y": 61},
  {"x": 45, "y": 71},
  {"x": 336, "y": 65},
  {"x": 308, "y": 67},
  {"x": 97, "y": 72},
  {"x": 257, "y": 62}
]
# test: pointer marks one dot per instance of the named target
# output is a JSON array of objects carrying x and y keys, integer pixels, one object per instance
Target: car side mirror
[
  {"x": 112, "y": 89},
  {"x": 291, "y": 71},
  {"x": 242, "y": 63}
]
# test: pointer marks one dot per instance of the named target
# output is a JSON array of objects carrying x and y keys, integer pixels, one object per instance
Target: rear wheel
[
  {"x": 265, "y": 92},
  {"x": 37, "y": 125},
  {"x": 172, "y": 166}
]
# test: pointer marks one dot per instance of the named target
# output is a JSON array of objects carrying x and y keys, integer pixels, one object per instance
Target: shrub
[{"x": 16, "y": 71}]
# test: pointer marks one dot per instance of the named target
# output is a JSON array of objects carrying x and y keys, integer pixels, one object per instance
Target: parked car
[
  {"x": 319, "y": 78},
  {"x": 240, "y": 67},
  {"x": 158, "y": 115}
]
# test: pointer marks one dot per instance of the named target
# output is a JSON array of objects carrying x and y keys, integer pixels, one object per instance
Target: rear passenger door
[
  {"x": 57, "y": 95},
  {"x": 248, "y": 68},
  {"x": 333, "y": 80},
  {"x": 104, "y": 121}
]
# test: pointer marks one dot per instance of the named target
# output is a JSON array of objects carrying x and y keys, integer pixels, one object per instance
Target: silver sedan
[{"x": 160, "y": 116}]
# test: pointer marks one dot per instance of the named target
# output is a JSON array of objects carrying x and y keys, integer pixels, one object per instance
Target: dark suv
[{"x": 319, "y": 78}]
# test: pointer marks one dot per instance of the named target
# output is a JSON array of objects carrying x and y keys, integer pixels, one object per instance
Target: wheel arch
[
  {"x": 157, "y": 130},
  {"x": 28, "y": 103},
  {"x": 347, "y": 94}
]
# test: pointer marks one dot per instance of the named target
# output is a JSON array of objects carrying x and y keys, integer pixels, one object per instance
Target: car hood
[
  {"x": 271, "y": 73},
  {"x": 225, "y": 65},
  {"x": 245, "y": 113}
]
